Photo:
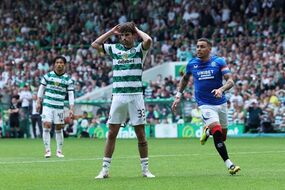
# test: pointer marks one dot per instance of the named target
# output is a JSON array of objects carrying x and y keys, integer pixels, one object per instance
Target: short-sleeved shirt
[
  {"x": 56, "y": 89},
  {"x": 127, "y": 68},
  {"x": 207, "y": 76}
]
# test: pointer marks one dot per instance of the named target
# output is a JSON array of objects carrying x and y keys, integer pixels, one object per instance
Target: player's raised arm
[
  {"x": 182, "y": 85},
  {"x": 97, "y": 44},
  {"x": 147, "y": 41}
]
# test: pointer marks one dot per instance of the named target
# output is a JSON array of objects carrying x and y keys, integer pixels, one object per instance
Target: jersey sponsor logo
[
  {"x": 122, "y": 61},
  {"x": 204, "y": 75}
]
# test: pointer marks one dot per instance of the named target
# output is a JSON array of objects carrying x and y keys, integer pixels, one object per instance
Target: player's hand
[
  {"x": 175, "y": 104},
  {"x": 218, "y": 93},
  {"x": 116, "y": 30}
]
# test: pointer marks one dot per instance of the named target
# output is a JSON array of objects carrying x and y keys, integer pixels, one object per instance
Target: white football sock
[
  {"x": 228, "y": 163},
  {"x": 144, "y": 164},
  {"x": 208, "y": 132},
  {"x": 59, "y": 139},
  {"x": 46, "y": 138},
  {"x": 106, "y": 163}
]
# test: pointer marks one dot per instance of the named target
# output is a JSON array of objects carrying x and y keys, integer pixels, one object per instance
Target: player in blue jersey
[{"x": 208, "y": 74}]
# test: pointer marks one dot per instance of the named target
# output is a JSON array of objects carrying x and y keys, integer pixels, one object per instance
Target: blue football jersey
[{"x": 207, "y": 76}]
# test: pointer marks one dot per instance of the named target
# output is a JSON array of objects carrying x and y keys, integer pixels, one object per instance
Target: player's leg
[
  {"x": 216, "y": 130},
  {"x": 211, "y": 119},
  {"x": 207, "y": 113},
  {"x": 59, "y": 139},
  {"x": 223, "y": 117},
  {"x": 109, "y": 150},
  {"x": 58, "y": 119},
  {"x": 117, "y": 115},
  {"x": 137, "y": 119},
  {"x": 143, "y": 150},
  {"x": 47, "y": 119}
]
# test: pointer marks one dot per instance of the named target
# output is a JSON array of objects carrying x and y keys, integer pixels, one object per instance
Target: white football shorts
[
  {"x": 215, "y": 113},
  {"x": 52, "y": 115},
  {"x": 127, "y": 105}
]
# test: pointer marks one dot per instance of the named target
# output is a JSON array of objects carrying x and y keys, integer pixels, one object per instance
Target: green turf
[{"x": 177, "y": 163}]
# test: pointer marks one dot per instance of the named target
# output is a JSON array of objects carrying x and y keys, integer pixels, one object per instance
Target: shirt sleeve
[
  {"x": 70, "y": 86},
  {"x": 44, "y": 80},
  {"x": 189, "y": 67},
  {"x": 223, "y": 66},
  {"x": 143, "y": 51},
  {"x": 108, "y": 49}
]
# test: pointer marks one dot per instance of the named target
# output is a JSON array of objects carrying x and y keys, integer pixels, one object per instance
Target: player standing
[
  {"x": 208, "y": 73},
  {"x": 55, "y": 85},
  {"x": 127, "y": 99}
]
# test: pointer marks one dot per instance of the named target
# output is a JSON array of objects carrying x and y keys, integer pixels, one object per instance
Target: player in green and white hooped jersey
[
  {"x": 55, "y": 85},
  {"x": 127, "y": 89}
]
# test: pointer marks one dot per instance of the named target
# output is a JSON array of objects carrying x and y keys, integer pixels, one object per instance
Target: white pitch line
[{"x": 51, "y": 160}]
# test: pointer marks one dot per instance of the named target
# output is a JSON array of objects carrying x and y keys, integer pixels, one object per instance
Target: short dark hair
[
  {"x": 128, "y": 27},
  {"x": 205, "y": 40},
  {"x": 59, "y": 57}
]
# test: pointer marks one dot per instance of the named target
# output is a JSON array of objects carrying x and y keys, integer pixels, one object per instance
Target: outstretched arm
[
  {"x": 147, "y": 41},
  {"x": 97, "y": 44}
]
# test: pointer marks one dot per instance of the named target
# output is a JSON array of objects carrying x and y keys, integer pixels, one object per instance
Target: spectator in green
[{"x": 183, "y": 54}]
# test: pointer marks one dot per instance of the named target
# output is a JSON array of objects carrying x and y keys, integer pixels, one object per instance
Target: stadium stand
[{"x": 248, "y": 34}]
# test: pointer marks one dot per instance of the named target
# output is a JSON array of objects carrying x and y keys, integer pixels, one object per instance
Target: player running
[{"x": 208, "y": 73}]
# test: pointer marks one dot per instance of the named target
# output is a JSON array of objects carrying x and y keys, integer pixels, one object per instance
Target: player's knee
[
  {"x": 142, "y": 144},
  {"x": 112, "y": 135},
  {"x": 47, "y": 125},
  {"x": 59, "y": 127},
  {"x": 216, "y": 129}
]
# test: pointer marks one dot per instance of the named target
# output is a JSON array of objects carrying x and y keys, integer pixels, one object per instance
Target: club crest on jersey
[
  {"x": 213, "y": 64},
  {"x": 125, "y": 56},
  {"x": 133, "y": 51}
]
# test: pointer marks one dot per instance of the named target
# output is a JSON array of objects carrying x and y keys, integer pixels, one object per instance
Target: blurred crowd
[{"x": 248, "y": 34}]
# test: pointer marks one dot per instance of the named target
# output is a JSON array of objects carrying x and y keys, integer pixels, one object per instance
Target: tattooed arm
[{"x": 182, "y": 85}]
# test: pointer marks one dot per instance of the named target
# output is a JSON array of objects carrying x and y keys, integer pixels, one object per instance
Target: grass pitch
[{"x": 177, "y": 163}]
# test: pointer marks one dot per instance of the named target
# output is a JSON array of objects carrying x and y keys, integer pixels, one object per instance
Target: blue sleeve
[
  {"x": 189, "y": 67},
  {"x": 223, "y": 66}
]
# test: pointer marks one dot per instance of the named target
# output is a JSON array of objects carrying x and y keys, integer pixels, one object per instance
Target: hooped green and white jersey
[
  {"x": 127, "y": 68},
  {"x": 56, "y": 89}
]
